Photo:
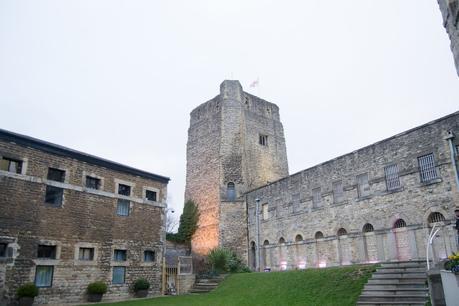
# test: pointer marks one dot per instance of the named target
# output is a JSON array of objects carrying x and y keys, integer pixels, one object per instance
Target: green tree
[{"x": 187, "y": 225}]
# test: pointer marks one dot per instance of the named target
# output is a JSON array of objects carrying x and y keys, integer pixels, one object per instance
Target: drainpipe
[
  {"x": 450, "y": 137},
  {"x": 257, "y": 216}
]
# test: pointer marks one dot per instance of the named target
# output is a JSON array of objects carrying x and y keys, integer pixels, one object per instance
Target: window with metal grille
[
  {"x": 392, "y": 177},
  {"x": 149, "y": 256},
  {"x": 298, "y": 238},
  {"x": 56, "y": 175},
  {"x": 263, "y": 140},
  {"x": 363, "y": 187},
  {"x": 436, "y": 217},
  {"x": 230, "y": 191},
  {"x": 150, "y": 195},
  {"x": 119, "y": 255},
  {"x": 54, "y": 195},
  {"x": 427, "y": 168},
  {"x": 319, "y": 235},
  {"x": 44, "y": 276},
  {"x": 124, "y": 189},
  {"x": 3, "y": 247},
  {"x": 92, "y": 182},
  {"x": 119, "y": 275},
  {"x": 86, "y": 254},
  {"x": 342, "y": 232},
  {"x": 281, "y": 240},
  {"x": 368, "y": 228},
  {"x": 122, "y": 208},
  {"x": 316, "y": 197},
  {"x": 399, "y": 223},
  {"x": 46, "y": 251},
  {"x": 11, "y": 165},
  {"x": 338, "y": 193}
]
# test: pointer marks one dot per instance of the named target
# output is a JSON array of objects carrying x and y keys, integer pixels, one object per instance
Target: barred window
[
  {"x": 436, "y": 217},
  {"x": 263, "y": 140},
  {"x": 11, "y": 165},
  {"x": 338, "y": 193},
  {"x": 399, "y": 223},
  {"x": 151, "y": 195},
  {"x": 342, "y": 232},
  {"x": 54, "y": 195},
  {"x": 119, "y": 275},
  {"x": 149, "y": 256},
  {"x": 392, "y": 177},
  {"x": 123, "y": 207},
  {"x": 363, "y": 187},
  {"x": 44, "y": 276},
  {"x": 119, "y": 255},
  {"x": 230, "y": 191},
  {"x": 368, "y": 228},
  {"x": 56, "y": 175},
  {"x": 298, "y": 238},
  {"x": 316, "y": 197},
  {"x": 92, "y": 182},
  {"x": 86, "y": 254},
  {"x": 281, "y": 240},
  {"x": 427, "y": 168},
  {"x": 46, "y": 251},
  {"x": 3, "y": 248},
  {"x": 124, "y": 189}
]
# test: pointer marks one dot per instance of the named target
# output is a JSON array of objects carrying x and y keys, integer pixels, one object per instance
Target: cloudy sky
[{"x": 118, "y": 79}]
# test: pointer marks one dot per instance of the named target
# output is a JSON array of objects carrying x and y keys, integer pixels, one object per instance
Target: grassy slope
[{"x": 330, "y": 286}]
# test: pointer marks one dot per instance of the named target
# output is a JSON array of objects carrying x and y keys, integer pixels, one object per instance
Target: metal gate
[{"x": 171, "y": 280}]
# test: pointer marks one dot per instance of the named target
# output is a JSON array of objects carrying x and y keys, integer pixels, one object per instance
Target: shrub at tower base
[{"x": 188, "y": 224}]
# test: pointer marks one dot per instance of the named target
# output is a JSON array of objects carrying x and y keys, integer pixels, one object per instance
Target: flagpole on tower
[{"x": 256, "y": 84}]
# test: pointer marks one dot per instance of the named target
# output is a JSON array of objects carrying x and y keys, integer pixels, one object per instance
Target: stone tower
[
  {"x": 235, "y": 144},
  {"x": 450, "y": 13}
]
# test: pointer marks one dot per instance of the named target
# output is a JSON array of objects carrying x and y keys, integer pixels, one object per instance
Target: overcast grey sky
[{"x": 118, "y": 79}]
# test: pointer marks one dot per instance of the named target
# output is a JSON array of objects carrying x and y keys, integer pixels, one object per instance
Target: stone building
[
  {"x": 450, "y": 13},
  {"x": 235, "y": 143},
  {"x": 377, "y": 203},
  {"x": 68, "y": 218}
]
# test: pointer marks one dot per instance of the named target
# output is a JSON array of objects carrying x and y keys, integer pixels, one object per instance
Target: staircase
[
  {"x": 397, "y": 283},
  {"x": 206, "y": 284}
]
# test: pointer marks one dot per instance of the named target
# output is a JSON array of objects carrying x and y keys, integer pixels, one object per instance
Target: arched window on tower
[
  {"x": 368, "y": 228},
  {"x": 399, "y": 223},
  {"x": 230, "y": 192},
  {"x": 319, "y": 235},
  {"x": 341, "y": 232}
]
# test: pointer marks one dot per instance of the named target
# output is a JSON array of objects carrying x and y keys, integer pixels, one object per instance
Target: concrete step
[
  {"x": 404, "y": 303},
  {"x": 403, "y": 264},
  {"x": 370, "y": 292},
  {"x": 393, "y": 298},
  {"x": 401, "y": 287},
  {"x": 199, "y": 291},
  {"x": 393, "y": 281},
  {"x": 206, "y": 284},
  {"x": 378, "y": 275},
  {"x": 402, "y": 269},
  {"x": 395, "y": 292}
]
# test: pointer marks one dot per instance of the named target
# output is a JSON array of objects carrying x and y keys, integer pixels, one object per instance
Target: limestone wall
[{"x": 292, "y": 211}]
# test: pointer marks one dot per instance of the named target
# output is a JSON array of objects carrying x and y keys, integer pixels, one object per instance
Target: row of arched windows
[{"x": 367, "y": 228}]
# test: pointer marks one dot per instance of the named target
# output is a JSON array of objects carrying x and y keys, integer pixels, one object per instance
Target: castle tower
[{"x": 235, "y": 144}]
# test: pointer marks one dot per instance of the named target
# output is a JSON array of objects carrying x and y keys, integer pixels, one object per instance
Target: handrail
[{"x": 429, "y": 243}]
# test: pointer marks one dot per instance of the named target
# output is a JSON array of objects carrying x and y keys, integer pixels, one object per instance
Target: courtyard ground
[{"x": 329, "y": 286}]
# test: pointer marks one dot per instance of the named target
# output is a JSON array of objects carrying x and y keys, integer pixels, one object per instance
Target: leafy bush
[
  {"x": 27, "y": 290},
  {"x": 97, "y": 288},
  {"x": 141, "y": 284},
  {"x": 453, "y": 263},
  {"x": 224, "y": 260}
]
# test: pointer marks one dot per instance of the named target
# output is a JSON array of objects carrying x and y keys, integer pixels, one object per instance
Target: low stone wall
[{"x": 186, "y": 282}]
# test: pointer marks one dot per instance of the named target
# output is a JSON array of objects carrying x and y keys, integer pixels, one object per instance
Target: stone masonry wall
[
  {"x": 296, "y": 217},
  {"x": 223, "y": 147},
  {"x": 450, "y": 13},
  {"x": 86, "y": 218}
]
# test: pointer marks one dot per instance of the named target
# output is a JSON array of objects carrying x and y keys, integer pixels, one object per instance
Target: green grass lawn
[{"x": 338, "y": 286}]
